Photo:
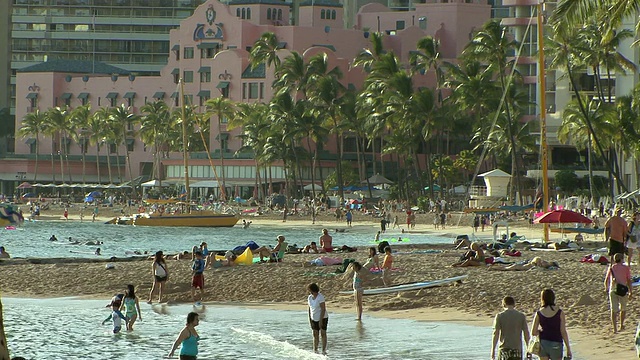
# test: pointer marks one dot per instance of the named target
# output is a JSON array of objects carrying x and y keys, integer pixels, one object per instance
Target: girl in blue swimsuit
[
  {"x": 188, "y": 338},
  {"x": 131, "y": 306}
]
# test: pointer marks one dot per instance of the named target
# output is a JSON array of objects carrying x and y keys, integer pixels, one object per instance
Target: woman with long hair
[
  {"x": 132, "y": 307},
  {"x": 549, "y": 324},
  {"x": 160, "y": 276}
]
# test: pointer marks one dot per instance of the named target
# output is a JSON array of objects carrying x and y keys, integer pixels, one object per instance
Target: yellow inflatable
[{"x": 246, "y": 258}]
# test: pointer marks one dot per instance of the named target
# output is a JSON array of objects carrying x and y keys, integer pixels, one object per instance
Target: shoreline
[{"x": 582, "y": 341}]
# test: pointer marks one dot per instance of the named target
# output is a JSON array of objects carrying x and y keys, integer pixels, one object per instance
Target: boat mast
[
  {"x": 184, "y": 146},
  {"x": 543, "y": 117}
]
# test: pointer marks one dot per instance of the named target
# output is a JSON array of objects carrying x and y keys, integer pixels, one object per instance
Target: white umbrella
[
  {"x": 312, "y": 187},
  {"x": 151, "y": 183}
]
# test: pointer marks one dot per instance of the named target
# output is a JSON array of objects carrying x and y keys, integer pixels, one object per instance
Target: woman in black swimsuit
[{"x": 160, "y": 276}]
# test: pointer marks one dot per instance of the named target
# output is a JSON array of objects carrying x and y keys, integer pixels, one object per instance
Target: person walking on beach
[
  {"x": 633, "y": 236},
  {"x": 66, "y": 213},
  {"x": 617, "y": 284},
  {"x": 326, "y": 241},
  {"x": 387, "y": 264},
  {"x": 357, "y": 288},
  {"x": 188, "y": 339},
  {"x": 615, "y": 231},
  {"x": 95, "y": 213},
  {"x": 131, "y": 306},
  {"x": 549, "y": 324},
  {"x": 160, "y": 276},
  {"x": 197, "y": 280},
  {"x": 509, "y": 327},
  {"x": 318, "y": 317},
  {"x": 349, "y": 217}
]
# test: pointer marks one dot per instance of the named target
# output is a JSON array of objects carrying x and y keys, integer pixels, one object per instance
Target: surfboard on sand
[
  {"x": 411, "y": 286},
  {"x": 637, "y": 340},
  {"x": 559, "y": 250}
]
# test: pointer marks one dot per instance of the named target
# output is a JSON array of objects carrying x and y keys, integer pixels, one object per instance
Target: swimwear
[
  {"x": 190, "y": 345},
  {"x": 160, "y": 278},
  {"x": 357, "y": 283},
  {"x": 328, "y": 249},
  {"x": 198, "y": 281},
  {"x": 130, "y": 306}
]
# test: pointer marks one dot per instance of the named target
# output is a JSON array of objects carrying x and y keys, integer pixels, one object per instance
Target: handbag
[
  {"x": 621, "y": 290},
  {"x": 533, "y": 347}
]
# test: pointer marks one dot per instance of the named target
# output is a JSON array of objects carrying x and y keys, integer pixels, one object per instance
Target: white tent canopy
[
  {"x": 205, "y": 184},
  {"x": 312, "y": 187},
  {"x": 151, "y": 183}
]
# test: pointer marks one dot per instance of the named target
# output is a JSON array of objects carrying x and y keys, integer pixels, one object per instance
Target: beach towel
[
  {"x": 512, "y": 253},
  {"x": 594, "y": 258}
]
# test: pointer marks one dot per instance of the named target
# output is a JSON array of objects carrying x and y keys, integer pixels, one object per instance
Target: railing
[{"x": 478, "y": 191}]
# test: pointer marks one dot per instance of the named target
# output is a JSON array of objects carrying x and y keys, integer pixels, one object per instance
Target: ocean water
[
  {"x": 31, "y": 240},
  {"x": 71, "y": 329}
]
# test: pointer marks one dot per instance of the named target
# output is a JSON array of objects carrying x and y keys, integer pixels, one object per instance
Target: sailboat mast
[
  {"x": 184, "y": 145},
  {"x": 543, "y": 118}
]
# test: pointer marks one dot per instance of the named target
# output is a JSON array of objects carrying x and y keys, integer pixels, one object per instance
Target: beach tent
[
  {"x": 312, "y": 187},
  {"x": 24, "y": 185},
  {"x": 378, "y": 179},
  {"x": 151, "y": 183}
]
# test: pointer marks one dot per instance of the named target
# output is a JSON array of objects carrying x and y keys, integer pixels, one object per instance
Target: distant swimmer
[
  {"x": 97, "y": 251},
  {"x": 93, "y": 243},
  {"x": 245, "y": 224},
  {"x": 53, "y": 238}
]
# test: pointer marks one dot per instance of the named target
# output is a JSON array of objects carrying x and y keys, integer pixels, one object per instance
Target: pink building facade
[{"x": 209, "y": 51}]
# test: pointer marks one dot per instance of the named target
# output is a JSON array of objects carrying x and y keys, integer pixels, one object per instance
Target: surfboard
[
  {"x": 411, "y": 286},
  {"x": 637, "y": 340},
  {"x": 559, "y": 250}
]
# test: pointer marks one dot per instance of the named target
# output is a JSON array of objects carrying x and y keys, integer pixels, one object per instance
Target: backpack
[{"x": 382, "y": 245}]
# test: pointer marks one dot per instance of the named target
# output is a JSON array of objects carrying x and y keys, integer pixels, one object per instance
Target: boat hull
[{"x": 192, "y": 220}]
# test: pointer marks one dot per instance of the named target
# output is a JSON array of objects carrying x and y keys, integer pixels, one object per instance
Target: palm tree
[
  {"x": 574, "y": 128},
  {"x": 576, "y": 12},
  {"x": 57, "y": 125},
  {"x": 494, "y": 44},
  {"x": 265, "y": 50},
  {"x": 80, "y": 118},
  {"x": 125, "y": 121},
  {"x": 100, "y": 132},
  {"x": 33, "y": 124},
  {"x": 367, "y": 57},
  {"x": 223, "y": 109},
  {"x": 153, "y": 130}
]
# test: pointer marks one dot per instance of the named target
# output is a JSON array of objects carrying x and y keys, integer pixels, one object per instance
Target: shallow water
[
  {"x": 31, "y": 240},
  {"x": 70, "y": 329}
]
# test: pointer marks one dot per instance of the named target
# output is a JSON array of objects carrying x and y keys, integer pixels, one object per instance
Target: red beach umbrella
[{"x": 562, "y": 216}]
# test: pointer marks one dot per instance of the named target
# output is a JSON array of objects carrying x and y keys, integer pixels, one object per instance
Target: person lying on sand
[
  {"x": 525, "y": 265},
  {"x": 473, "y": 257},
  {"x": 229, "y": 260}
]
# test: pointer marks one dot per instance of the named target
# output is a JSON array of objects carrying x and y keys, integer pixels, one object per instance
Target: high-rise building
[{"x": 129, "y": 34}]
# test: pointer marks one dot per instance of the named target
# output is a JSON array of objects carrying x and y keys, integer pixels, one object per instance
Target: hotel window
[
  {"x": 225, "y": 92},
  {"x": 67, "y": 102},
  {"x": 261, "y": 90},
  {"x": 188, "y": 76},
  {"x": 205, "y": 77},
  {"x": 244, "y": 91},
  {"x": 208, "y": 53},
  {"x": 188, "y": 53},
  {"x": 33, "y": 147},
  {"x": 112, "y": 148},
  {"x": 322, "y": 16},
  {"x": 279, "y": 14},
  {"x": 253, "y": 90},
  {"x": 400, "y": 25},
  {"x": 203, "y": 99},
  {"x": 269, "y": 14},
  {"x": 113, "y": 102},
  {"x": 333, "y": 14},
  {"x": 130, "y": 144},
  {"x": 244, "y": 13},
  {"x": 238, "y": 12},
  {"x": 249, "y": 13}
]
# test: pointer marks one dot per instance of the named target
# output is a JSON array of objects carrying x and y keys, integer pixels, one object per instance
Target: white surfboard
[
  {"x": 559, "y": 250},
  {"x": 409, "y": 287}
]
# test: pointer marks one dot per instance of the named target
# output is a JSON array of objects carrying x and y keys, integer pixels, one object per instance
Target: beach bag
[
  {"x": 533, "y": 347},
  {"x": 382, "y": 245},
  {"x": 621, "y": 290}
]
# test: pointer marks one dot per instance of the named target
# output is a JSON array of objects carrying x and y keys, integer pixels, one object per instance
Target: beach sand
[{"x": 579, "y": 287}]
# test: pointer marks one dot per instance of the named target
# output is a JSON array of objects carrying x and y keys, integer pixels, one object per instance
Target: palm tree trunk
[
  {"x": 381, "y": 159},
  {"x": 61, "y": 163},
  {"x": 313, "y": 174},
  {"x": 98, "y": 162},
  {"x": 4, "y": 347},
  {"x": 118, "y": 162},
  {"x": 109, "y": 163},
  {"x": 35, "y": 171},
  {"x": 53, "y": 172},
  {"x": 590, "y": 169}
]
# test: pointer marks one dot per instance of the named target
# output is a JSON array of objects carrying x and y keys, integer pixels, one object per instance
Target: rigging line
[{"x": 502, "y": 100}]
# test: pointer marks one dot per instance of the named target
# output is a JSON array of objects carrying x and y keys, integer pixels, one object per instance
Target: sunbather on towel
[
  {"x": 473, "y": 257},
  {"x": 525, "y": 265}
]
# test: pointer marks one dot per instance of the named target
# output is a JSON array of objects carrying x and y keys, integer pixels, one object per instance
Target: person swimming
[{"x": 53, "y": 238}]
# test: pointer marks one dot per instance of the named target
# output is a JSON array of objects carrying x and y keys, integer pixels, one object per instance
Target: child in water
[
  {"x": 116, "y": 316},
  {"x": 357, "y": 288}
]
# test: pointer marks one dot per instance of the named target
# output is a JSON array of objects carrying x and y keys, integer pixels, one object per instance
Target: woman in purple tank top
[{"x": 550, "y": 326}]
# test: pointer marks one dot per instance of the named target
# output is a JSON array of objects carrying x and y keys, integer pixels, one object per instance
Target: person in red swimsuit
[{"x": 325, "y": 241}]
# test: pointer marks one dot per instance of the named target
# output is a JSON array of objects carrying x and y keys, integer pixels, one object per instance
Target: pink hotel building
[{"x": 209, "y": 52}]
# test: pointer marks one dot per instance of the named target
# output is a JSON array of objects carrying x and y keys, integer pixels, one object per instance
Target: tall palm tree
[
  {"x": 33, "y": 124},
  {"x": 100, "y": 132},
  {"x": 223, "y": 109},
  {"x": 80, "y": 118},
  {"x": 153, "y": 129},
  {"x": 265, "y": 50},
  {"x": 125, "y": 121},
  {"x": 57, "y": 126},
  {"x": 494, "y": 45}
]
